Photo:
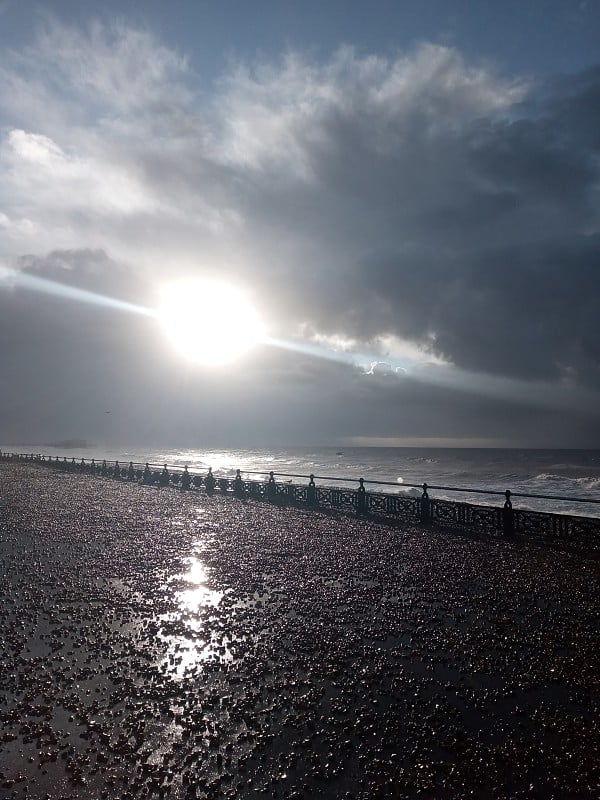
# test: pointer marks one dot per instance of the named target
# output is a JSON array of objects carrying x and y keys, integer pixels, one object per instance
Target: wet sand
[{"x": 162, "y": 644}]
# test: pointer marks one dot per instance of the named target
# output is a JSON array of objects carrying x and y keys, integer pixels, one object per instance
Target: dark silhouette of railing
[{"x": 504, "y": 519}]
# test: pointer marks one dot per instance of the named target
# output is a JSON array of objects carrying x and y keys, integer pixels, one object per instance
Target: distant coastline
[
  {"x": 69, "y": 444},
  {"x": 64, "y": 444}
]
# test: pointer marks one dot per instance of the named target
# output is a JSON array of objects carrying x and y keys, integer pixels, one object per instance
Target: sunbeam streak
[
  {"x": 10, "y": 278},
  {"x": 314, "y": 350},
  {"x": 14, "y": 279}
]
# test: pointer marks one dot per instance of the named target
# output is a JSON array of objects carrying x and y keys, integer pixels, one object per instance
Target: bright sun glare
[{"x": 209, "y": 322}]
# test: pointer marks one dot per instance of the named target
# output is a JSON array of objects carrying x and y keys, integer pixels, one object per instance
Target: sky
[{"x": 404, "y": 195}]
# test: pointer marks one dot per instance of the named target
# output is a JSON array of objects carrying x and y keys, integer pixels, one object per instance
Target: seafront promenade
[
  {"x": 372, "y": 498},
  {"x": 190, "y": 645}
]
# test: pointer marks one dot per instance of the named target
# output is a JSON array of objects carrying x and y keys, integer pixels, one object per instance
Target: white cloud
[
  {"x": 122, "y": 131},
  {"x": 278, "y": 115},
  {"x": 65, "y": 194},
  {"x": 123, "y": 69},
  {"x": 16, "y": 226},
  {"x": 35, "y": 148}
]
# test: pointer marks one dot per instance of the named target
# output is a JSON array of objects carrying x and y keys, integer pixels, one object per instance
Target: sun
[{"x": 209, "y": 322}]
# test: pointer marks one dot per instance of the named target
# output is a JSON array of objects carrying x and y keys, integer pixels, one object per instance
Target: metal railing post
[
  {"x": 164, "y": 477},
  {"x": 361, "y": 498},
  {"x": 508, "y": 516},
  {"x": 238, "y": 484},
  {"x": 271, "y": 488},
  {"x": 311, "y": 492},
  {"x": 425, "y": 507},
  {"x": 209, "y": 481}
]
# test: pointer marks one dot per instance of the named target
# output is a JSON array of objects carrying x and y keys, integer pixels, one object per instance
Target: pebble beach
[{"x": 159, "y": 643}]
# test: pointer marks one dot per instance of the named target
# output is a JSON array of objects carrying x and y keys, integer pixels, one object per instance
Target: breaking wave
[{"x": 566, "y": 482}]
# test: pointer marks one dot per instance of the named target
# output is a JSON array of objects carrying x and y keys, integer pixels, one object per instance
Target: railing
[{"x": 504, "y": 519}]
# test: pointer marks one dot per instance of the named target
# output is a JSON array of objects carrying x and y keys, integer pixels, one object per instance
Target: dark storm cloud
[
  {"x": 527, "y": 311},
  {"x": 479, "y": 241}
]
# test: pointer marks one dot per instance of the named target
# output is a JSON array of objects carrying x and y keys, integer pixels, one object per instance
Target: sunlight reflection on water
[
  {"x": 196, "y": 641},
  {"x": 198, "y": 594}
]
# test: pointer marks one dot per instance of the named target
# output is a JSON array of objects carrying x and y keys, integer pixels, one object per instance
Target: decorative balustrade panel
[
  {"x": 422, "y": 509},
  {"x": 347, "y": 499},
  {"x": 534, "y": 523},
  {"x": 284, "y": 491},
  {"x": 337, "y": 498},
  {"x": 324, "y": 496},
  {"x": 537, "y": 523},
  {"x": 300, "y": 494},
  {"x": 447, "y": 513},
  {"x": 393, "y": 505},
  {"x": 483, "y": 518},
  {"x": 582, "y": 526},
  {"x": 256, "y": 489}
]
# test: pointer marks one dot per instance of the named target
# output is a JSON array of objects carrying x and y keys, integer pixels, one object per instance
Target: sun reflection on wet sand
[
  {"x": 198, "y": 594},
  {"x": 195, "y": 642}
]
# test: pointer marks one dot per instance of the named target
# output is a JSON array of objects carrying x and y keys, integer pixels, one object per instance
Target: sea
[{"x": 569, "y": 480}]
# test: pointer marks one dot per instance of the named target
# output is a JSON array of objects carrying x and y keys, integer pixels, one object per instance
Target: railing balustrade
[{"x": 503, "y": 519}]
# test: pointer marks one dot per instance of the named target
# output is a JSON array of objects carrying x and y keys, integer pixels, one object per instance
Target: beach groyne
[{"x": 367, "y": 499}]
